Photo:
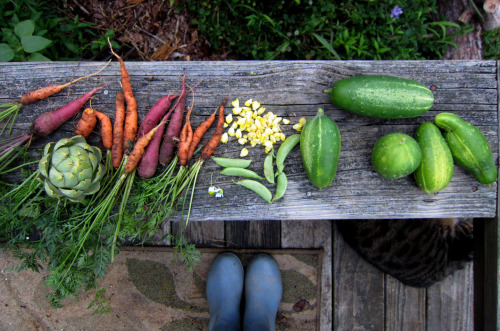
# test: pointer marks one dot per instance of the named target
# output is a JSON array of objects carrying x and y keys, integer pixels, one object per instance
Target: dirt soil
[{"x": 148, "y": 29}]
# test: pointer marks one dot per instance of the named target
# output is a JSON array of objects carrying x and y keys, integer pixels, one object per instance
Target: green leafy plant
[
  {"x": 323, "y": 29},
  {"x": 33, "y": 30},
  {"x": 21, "y": 41}
]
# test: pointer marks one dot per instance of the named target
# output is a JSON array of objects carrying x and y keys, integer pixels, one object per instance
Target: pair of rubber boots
[{"x": 261, "y": 287}]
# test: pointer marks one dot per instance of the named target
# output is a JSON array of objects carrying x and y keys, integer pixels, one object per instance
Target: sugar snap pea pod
[
  {"x": 285, "y": 149},
  {"x": 241, "y": 172},
  {"x": 469, "y": 147},
  {"x": 258, "y": 188},
  {"x": 231, "y": 163},
  {"x": 282, "y": 183},
  {"x": 268, "y": 167}
]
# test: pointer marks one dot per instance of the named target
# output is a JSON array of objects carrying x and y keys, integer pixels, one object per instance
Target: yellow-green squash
[
  {"x": 396, "y": 155},
  {"x": 320, "y": 149},
  {"x": 382, "y": 96},
  {"x": 469, "y": 147},
  {"x": 436, "y": 168}
]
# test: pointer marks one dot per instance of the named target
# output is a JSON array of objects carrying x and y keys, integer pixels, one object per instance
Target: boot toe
[{"x": 224, "y": 292}]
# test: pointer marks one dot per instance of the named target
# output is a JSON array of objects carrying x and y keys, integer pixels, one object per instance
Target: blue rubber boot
[
  {"x": 263, "y": 289},
  {"x": 224, "y": 292}
]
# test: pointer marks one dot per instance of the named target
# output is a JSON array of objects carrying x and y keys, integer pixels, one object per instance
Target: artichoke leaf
[
  {"x": 59, "y": 155},
  {"x": 55, "y": 177},
  {"x": 83, "y": 185},
  {"x": 73, "y": 195},
  {"x": 93, "y": 188},
  {"x": 51, "y": 190},
  {"x": 99, "y": 173}
]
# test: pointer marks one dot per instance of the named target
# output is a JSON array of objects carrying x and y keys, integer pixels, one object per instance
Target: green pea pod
[
  {"x": 241, "y": 172},
  {"x": 258, "y": 188},
  {"x": 285, "y": 149},
  {"x": 268, "y": 167},
  {"x": 281, "y": 186},
  {"x": 231, "y": 163},
  {"x": 469, "y": 147}
]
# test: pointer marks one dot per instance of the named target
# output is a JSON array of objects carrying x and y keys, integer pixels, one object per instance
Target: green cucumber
[
  {"x": 320, "y": 149},
  {"x": 382, "y": 96},
  {"x": 396, "y": 155},
  {"x": 469, "y": 147},
  {"x": 436, "y": 168}
]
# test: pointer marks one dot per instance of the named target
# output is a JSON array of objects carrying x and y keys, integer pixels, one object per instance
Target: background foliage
[{"x": 323, "y": 29}]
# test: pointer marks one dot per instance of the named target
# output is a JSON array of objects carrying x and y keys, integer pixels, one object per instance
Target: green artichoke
[{"x": 71, "y": 169}]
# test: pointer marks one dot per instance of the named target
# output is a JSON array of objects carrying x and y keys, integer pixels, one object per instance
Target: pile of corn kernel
[{"x": 251, "y": 124}]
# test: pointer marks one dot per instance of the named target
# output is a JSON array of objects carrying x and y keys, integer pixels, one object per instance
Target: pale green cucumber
[
  {"x": 436, "y": 168},
  {"x": 382, "y": 96},
  {"x": 469, "y": 147}
]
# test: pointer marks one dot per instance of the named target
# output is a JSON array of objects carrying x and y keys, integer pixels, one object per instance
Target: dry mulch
[{"x": 147, "y": 29}]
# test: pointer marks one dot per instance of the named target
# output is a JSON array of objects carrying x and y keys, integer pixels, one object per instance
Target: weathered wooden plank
[
  {"x": 451, "y": 302},
  {"x": 404, "y": 306},
  {"x": 314, "y": 234},
  {"x": 294, "y": 89},
  {"x": 253, "y": 234},
  {"x": 358, "y": 290},
  {"x": 202, "y": 234}
]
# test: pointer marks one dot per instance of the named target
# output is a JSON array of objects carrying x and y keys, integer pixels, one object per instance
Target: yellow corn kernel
[
  {"x": 276, "y": 128},
  {"x": 231, "y": 132},
  {"x": 252, "y": 135},
  {"x": 229, "y": 118},
  {"x": 248, "y": 102},
  {"x": 268, "y": 143},
  {"x": 241, "y": 120},
  {"x": 244, "y": 152},
  {"x": 286, "y": 121},
  {"x": 234, "y": 125},
  {"x": 255, "y": 115},
  {"x": 255, "y": 105},
  {"x": 242, "y": 141},
  {"x": 297, "y": 127},
  {"x": 302, "y": 121},
  {"x": 252, "y": 128},
  {"x": 268, "y": 131},
  {"x": 236, "y": 111},
  {"x": 253, "y": 143},
  {"x": 261, "y": 110},
  {"x": 283, "y": 136},
  {"x": 235, "y": 103},
  {"x": 225, "y": 125},
  {"x": 272, "y": 139},
  {"x": 224, "y": 138},
  {"x": 268, "y": 149},
  {"x": 238, "y": 134}
]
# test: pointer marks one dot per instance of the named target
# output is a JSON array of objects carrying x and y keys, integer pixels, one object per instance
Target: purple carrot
[
  {"x": 174, "y": 128},
  {"x": 154, "y": 114},
  {"x": 48, "y": 122},
  {"x": 149, "y": 161}
]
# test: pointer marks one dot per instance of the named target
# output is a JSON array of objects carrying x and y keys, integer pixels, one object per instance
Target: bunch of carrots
[{"x": 130, "y": 150}]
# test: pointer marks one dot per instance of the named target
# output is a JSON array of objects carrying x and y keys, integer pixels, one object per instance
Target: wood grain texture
[
  {"x": 404, "y": 306},
  {"x": 358, "y": 291},
  {"x": 450, "y": 303},
  {"x": 314, "y": 234},
  {"x": 293, "y": 89}
]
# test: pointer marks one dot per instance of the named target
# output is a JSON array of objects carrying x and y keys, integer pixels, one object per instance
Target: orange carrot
[
  {"x": 117, "y": 148},
  {"x": 106, "y": 129},
  {"x": 47, "y": 91},
  {"x": 215, "y": 139},
  {"x": 199, "y": 132},
  {"x": 87, "y": 123},
  {"x": 131, "y": 117},
  {"x": 139, "y": 149},
  {"x": 186, "y": 137}
]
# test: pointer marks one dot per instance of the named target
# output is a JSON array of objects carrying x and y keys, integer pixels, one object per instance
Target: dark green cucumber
[
  {"x": 382, "y": 96},
  {"x": 469, "y": 147},
  {"x": 396, "y": 155},
  {"x": 320, "y": 149},
  {"x": 436, "y": 168}
]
